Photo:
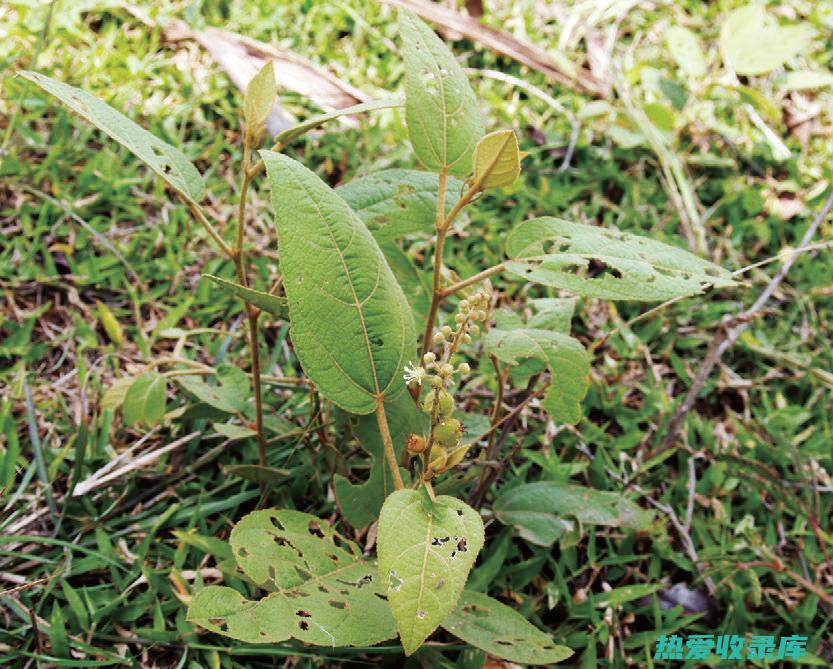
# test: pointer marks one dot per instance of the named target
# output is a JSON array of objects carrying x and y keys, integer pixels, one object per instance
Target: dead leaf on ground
[{"x": 520, "y": 50}]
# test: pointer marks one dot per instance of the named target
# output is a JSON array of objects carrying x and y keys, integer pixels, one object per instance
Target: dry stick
[
  {"x": 727, "y": 337},
  {"x": 387, "y": 442}
]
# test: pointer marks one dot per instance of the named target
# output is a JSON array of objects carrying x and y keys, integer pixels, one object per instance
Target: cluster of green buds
[{"x": 443, "y": 445}]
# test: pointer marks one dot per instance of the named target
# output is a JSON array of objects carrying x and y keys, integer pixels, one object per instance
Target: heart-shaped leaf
[
  {"x": 351, "y": 324},
  {"x": 167, "y": 161},
  {"x": 396, "y": 202},
  {"x": 501, "y": 631},
  {"x": 324, "y": 591},
  {"x": 566, "y": 358},
  {"x": 613, "y": 265},
  {"x": 543, "y": 511},
  {"x": 441, "y": 110},
  {"x": 752, "y": 42},
  {"x": 426, "y": 551}
]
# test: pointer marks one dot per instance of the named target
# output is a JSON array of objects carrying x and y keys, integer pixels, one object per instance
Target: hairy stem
[
  {"x": 480, "y": 276},
  {"x": 436, "y": 293},
  {"x": 251, "y": 312},
  {"x": 387, "y": 443}
]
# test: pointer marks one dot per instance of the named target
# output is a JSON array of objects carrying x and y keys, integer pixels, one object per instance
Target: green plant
[{"x": 353, "y": 301}]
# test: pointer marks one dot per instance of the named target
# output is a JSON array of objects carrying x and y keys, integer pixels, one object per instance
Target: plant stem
[
  {"x": 251, "y": 312},
  {"x": 387, "y": 442},
  {"x": 436, "y": 295},
  {"x": 480, "y": 276}
]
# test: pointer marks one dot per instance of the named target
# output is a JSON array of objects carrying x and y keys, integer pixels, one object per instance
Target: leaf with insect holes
[
  {"x": 271, "y": 304},
  {"x": 350, "y": 322},
  {"x": 441, "y": 110},
  {"x": 260, "y": 96},
  {"x": 297, "y": 131},
  {"x": 323, "y": 590},
  {"x": 168, "y": 162},
  {"x": 497, "y": 160},
  {"x": 396, "y": 202},
  {"x": 501, "y": 631},
  {"x": 566, "y": 358},
  {"x": 544, "y": 511},
  {"x": 360, "y": 503},
  {"x": 426, "y": 551},
  {"x": 753, "y": 43},
  {"x": 145, "y": 400},
  {"x": 613, "y": 265}
]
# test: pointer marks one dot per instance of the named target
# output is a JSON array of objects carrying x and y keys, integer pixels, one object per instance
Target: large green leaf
[
  {"x": 360, "y": 503},
  {"x": 145, "y": 400},
  {"x": 444, "y": 120},
  {"x": 596, "y": 262},
  {"x": 351, "y": 324},
  {"x": 296, "y": 131},
  {"x": 324, "y": 591},
  {"x": 167, "y": 161},
  {"x": 415, "y": 283},
  {"x": 264, "y": 301},
  {"x": 426, "y": 551},
  {"x": 542, "y": 511},
  {"x": 752, "y": 42},
  {"x": 501, "y": 631},
  {"x": 566, "y": 358},
  {"x": 396, "y": 202}
]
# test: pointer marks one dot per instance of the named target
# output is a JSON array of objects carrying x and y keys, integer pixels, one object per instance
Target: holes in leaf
[
  {"x": 501, "y": 642},
  {"x": 439, "y": 541},
  {"x": 421, "y": 615},
  {"x": 303, "y": 614},
  {"x": 218, "y": 622},
  {"x": 337, "y": 604},
  {"x": 276, "y": 524},
  {"x": 596, "y": 268},
  {"x": 81, "y": 104},
  {"x": 333, "y": 557},
  {"x": 243, "y": 552},
  {"x": 376, "y": 341},
  {"x": 460, "y": 512},
  {"x": 439, "y": 584},
  {"x": 315, "y": 529},
  {"x": 462, "y": 546},
  {"x": 394, "y": 582},
  {"x": 711, "y": 271},
  {"x": 381, "y": 596},
  {"x": 303, "y": 624},
  {"x": 321, "y": 588},
  {"x": 555, "y": 246},
  {"x": 474, "y": 610}
]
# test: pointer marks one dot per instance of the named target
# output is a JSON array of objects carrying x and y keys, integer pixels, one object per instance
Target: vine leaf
[
  {"x": 324, "y": 591},
  {"x": 144, "y": 401},
  {"x": 271, "y": 304},
  {"x": 350, "y": 322},
  {"x": 596, "y": 262},
  {"x": 297, "y": 131},
  {"x": 426, "y": 551},
  {"x": 441, "y": 110},
  {"x": 397, "y": 202},
  {"x": 542, "y": 511},
  {"x": 497, "y": 160},
  {"x": 168, "y": 162},
  {"x": 501, "y": 631},
  {"x": 360, "y": 503},
  {"x": 564, "y": 356}
]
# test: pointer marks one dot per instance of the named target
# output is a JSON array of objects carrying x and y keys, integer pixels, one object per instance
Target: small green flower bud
[
  {"x": 464, "y": 305},
  {"x": 475, "y": 329},
  {"x": 445, "y": 404},
  {"x": 429, "y": 357},
  {"x": 446, "y": 331},
  {"x": 464, "y": 368},
  {"x": 481, "y": 315},
  {"x": 447, "y": 369},
  {"x": 436, "y": 382},
  {"x": 439, "y": 338},
  {"x": 448, "y": 433},
  {"x": 466, "y": 339},
  {"x": 460, "y": 318}
]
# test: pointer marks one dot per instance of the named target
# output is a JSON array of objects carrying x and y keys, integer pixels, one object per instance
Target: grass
[{"x": 100, "y": 579}]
